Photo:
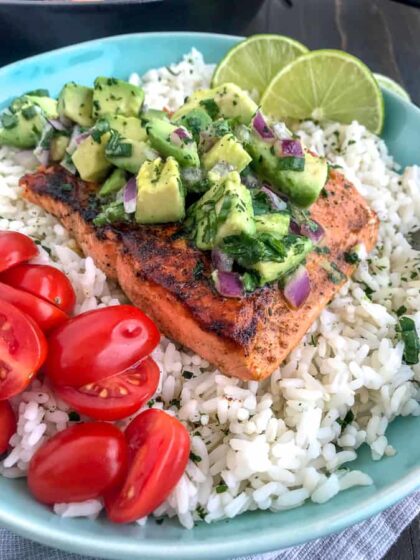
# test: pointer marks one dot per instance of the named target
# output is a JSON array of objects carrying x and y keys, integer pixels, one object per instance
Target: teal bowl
[{"x": 394, "y": 477}]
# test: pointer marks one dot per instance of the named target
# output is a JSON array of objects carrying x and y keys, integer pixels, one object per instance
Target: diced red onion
[
  {"x": 290, "y": 148},
  {"x": 250, "y": 181},
  {"x": 130, "y": 196},
  {"x": 68, "y": 123},
  {"x": 281, "y": 131},
  {"x": 221, "y": 261},
  {"x": 262, "y": 128},
  {"x": 276, "y": 202},
  {"x": 242, "y": 133},
  {"x": 58, "y": 125},
  {"x": 228, "y": 284},
  {"x": 207, "y": 141},
  {"x": 315, "y": 233},
  {"x": 71, "y": 148},
  {"x": 297, "y": 288},
  {"x": 42, "y": 155},
  {"x": 222, "y": 168},
  {"x": 178, "y": 136},
  {"x": 26, "y": 158}
]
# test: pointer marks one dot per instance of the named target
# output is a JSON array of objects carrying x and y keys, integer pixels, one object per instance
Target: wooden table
[{"x": 385, "y": 35}]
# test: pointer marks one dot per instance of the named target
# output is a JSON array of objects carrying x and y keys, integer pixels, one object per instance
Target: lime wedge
[
  {"x": 326, "y": 85},
  {"x": 392, "y": 85},
  {"x": 254, "y": 62}
]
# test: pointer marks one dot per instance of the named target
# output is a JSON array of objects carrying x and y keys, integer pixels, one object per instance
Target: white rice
[{"x": 275, "y": 444}]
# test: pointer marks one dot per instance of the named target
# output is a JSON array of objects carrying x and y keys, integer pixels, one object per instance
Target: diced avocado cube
[
  {"x": 150, "y": 114},
  {"x": 296, "y": 250},
  {"x": 128, "y": 154},
  {"x": 116, "y": 97},
  {"x": 195, "y": 121},
  {"x": 160, "y": 194},
  {"x": 277, "y": 223},
  {"x": 228, "y": 150},
  {"x": 224, "y": 210},
  {"x": 129, "y": 127},
  {"x": 48, "y": 105},
  {"x": 162, "y": 136},
  {"x": 228, "y": 101},
  {"x": 22, "y": 129},
  {"x": 75, "y": 103},
  {"x": 114, "y": 183},
  {"x": 89, "y": 159},
  {"x": 302, "y": 187},
  {"x": 58, "y": 147}
]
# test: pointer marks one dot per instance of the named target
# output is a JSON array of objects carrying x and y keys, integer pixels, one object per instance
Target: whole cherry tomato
[
  {"x": 44, "y": 281},
  {"x": 116, "y": 397},
  {"x": 7, "y": 425},
  {"x": 99, "y": 344},
  {"x": 80, "y": 463},
  {"x": 15, "y": 248},
  {"x": 158, "y": 451},
  {"x": 47, "y": 316},
  {"x": 23, "y": 349}
]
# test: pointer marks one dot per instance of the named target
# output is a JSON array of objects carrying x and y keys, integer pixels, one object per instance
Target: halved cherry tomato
[
  {"x": 7, "y": 425},
  {"x": 158, "y": 451},
  {"x": 47, "y": 316},
  {"x": 15, "y": 248},
  {"x": 80, "y": 463},
  {"x": 44, "y": 281},
  {"x": 99, "y": 344},
  {"x": 116, "y": 397},
  {"x": 23, "y": 349}
]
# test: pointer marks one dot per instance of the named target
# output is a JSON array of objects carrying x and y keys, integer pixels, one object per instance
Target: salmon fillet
[{"x": 167, "y": 277}]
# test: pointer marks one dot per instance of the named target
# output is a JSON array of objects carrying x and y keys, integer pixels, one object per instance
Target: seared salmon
[{"x": 167, "y": 277}]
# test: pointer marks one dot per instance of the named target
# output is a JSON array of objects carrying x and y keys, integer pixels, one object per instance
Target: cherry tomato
[
  {"x": 80, "y": 463},
  {"x": 7, "y": 425},
  {"x": 99, "y": 344},
  {"x": 116, "y": 397},
  {"x": 23, "y": 349},
  {"x": 158, "y": 451},
  {"x": 47, "y": 316},
  {"x": 15, "y": 248},
  {"x": 46, "y": 282}
]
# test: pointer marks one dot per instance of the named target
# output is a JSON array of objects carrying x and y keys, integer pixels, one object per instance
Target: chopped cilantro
[
  {"x": 220, "y": 488},
  {"x": 408, "y": 334},
  {"x": 29, "y": 112},
  {"x": 198, "y": 270},
  {"x": 348, "y": 419},
  {"x": 401, "y": 310},
  {"x": 211, "y": 107},
  {"x": 195, "y": 458},
  {"x": 351, "y": 257},
  {"x": 187, "y": 374},
  {"x": 74, "y": 416}
]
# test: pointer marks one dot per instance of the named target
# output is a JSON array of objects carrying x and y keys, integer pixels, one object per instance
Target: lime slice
[
  {"x": 254, "y": 62},
  {"x": 326, "y": 85},
  {"x": 392, "y": 85}
]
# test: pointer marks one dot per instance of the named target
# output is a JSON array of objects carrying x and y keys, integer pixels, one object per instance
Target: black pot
[{"x": 28, "y": 28}]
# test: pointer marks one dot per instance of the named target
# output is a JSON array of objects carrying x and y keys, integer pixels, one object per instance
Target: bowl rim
[{"x": 262, "y": 541}]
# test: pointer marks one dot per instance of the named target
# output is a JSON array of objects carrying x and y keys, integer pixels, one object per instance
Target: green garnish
[
  {"x": 195, "y": 458},
  {"x": 348, "y": 419},
  {"x": 29, "y": 112},
  {"x": 351, "y": 257},
  {"x": 113, "y": 212},
  {"x": 187, "y": 374},
  {"x": 211, "y": 107},
  {"x": 408, "y": 333},
  {"x": 8, "y": 120},
  {"x": 401, "y": 310},
  {"x": 220, "y": 488}
]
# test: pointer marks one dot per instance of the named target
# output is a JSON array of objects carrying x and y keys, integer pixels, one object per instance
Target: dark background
[{"x": 384, "y": 33}]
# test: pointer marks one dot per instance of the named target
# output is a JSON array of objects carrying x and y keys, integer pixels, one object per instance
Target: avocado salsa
[{"x": 239, "y": 185}]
